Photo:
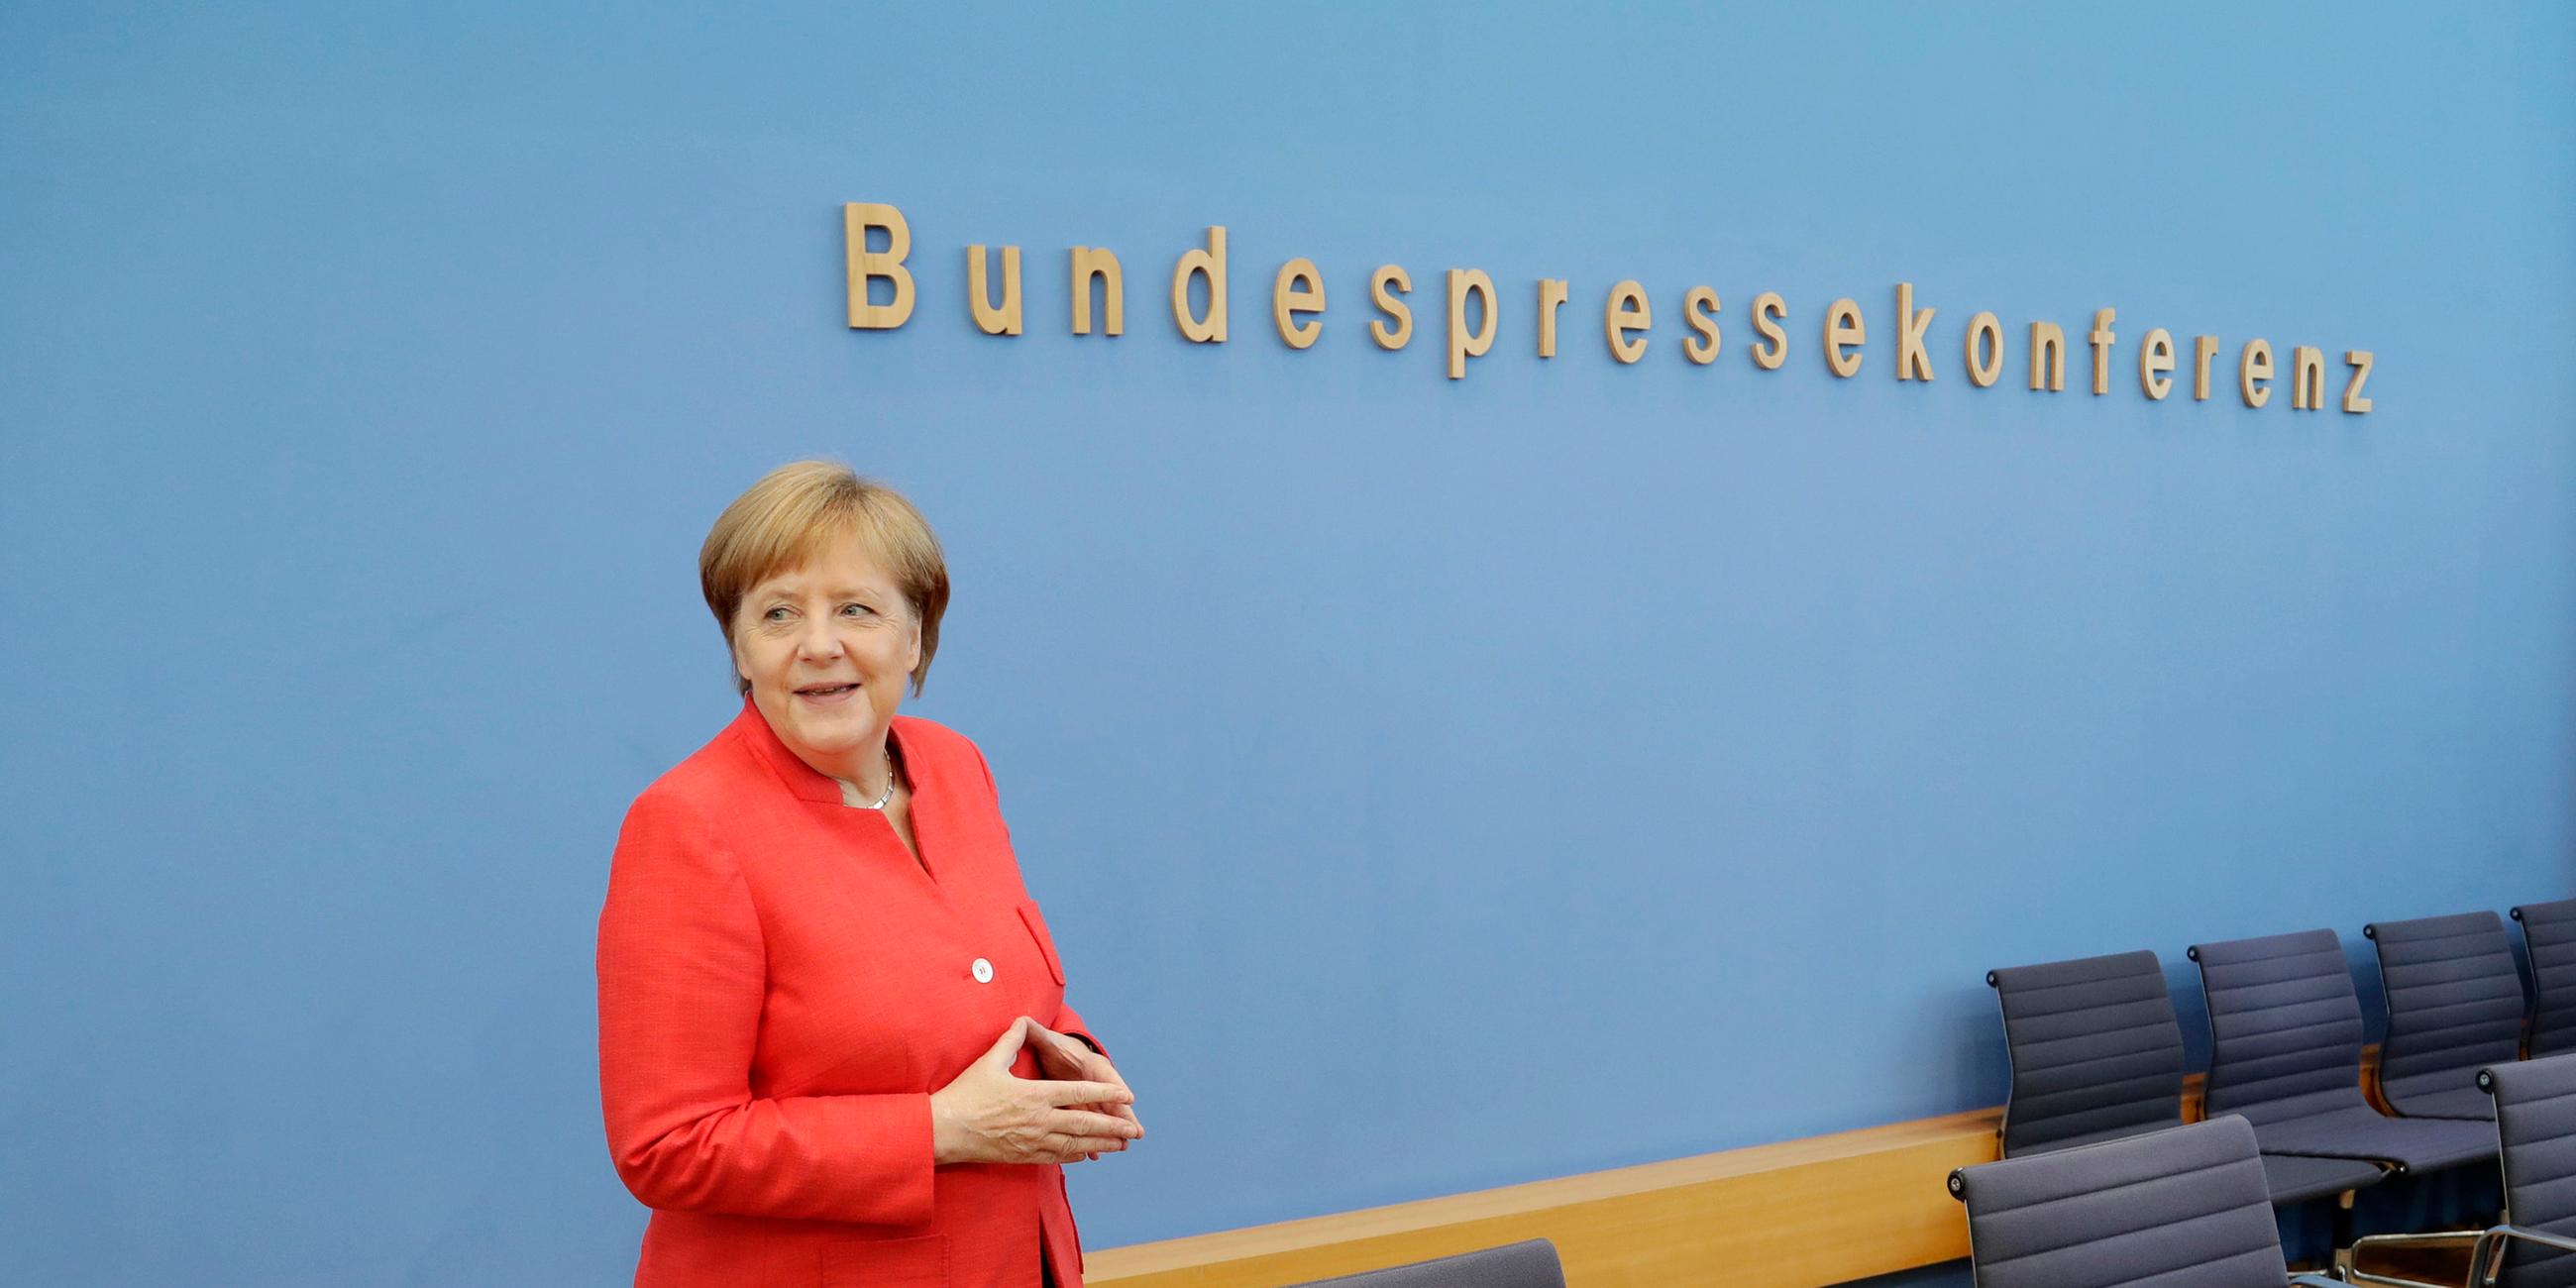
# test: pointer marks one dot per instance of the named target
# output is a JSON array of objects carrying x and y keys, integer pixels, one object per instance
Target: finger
[
  {"x": 1074, "y": 1149},
  {"x": 1070, "y": 1050},
  {"x": 1063, "y": 1094},
  {"x": 1076, "y": 1122},
  {"x": 1006, "y": 1048},
  {"x": 1072, "y": 1046},
  {"x": 1114, "y": 1111},
  {"x": 1059, "y": 1054}
]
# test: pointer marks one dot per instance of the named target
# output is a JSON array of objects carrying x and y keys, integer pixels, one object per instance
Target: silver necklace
[{"x": 888, "y": 793}]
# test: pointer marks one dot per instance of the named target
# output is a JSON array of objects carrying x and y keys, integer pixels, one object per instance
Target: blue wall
[{"x": 1434, "y": 785}]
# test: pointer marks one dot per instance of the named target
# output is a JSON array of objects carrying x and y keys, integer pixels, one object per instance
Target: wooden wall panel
[
  {"x": 1792, "y": 1215},
  {"x": 1799, "y": 1213}
]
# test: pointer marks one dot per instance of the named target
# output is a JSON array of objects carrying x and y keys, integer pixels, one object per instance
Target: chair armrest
[
  {"x": 2488, "y": 1256},
  {"x": 2558, "y": 1241},
  {"x": 2316, "y": 1281}
]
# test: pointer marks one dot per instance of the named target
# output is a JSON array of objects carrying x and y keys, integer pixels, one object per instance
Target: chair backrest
[
  {"x": 2549, "y": 940},
  {"x": 2535, "y": 1103},
  {"x": 2284, "y": 1026},
  {"x": 2454, "y": 1002},
  {"x": 2185, "y": 1207},
  {"x": 1529, "y": 1264},
  {"x": 2096, "y": 1052}
]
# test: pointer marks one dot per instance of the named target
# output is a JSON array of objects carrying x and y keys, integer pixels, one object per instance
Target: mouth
[{"x": 824, "y": 693}]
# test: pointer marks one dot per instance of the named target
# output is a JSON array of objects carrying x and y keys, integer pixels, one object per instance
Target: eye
[
  {"x": 856, "y": 610},
  {"x": 778, "y": 614}
]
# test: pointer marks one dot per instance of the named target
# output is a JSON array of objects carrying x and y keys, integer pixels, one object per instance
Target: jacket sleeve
[
  {"x": 1071, "y": 1025},
  {"x": 682, "y": 976}
]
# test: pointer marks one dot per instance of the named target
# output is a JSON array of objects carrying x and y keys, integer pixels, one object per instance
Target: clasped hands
[{"x": 1078, "y": 1108}]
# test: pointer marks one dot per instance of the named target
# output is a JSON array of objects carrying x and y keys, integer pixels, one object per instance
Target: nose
[{"x": 817, "y": 642}]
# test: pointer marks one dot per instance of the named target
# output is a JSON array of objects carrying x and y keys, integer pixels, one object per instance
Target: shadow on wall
[{"x": 1980, "y": 1064}]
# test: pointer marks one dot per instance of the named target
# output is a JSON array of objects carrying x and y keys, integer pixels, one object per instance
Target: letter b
[{"x": 857, "y": 218}]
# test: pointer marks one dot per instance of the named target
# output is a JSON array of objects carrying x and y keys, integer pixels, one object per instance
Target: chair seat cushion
[
  {"x": 2417, "y": 1144},
  {"x": 2293, "y": 1178}
]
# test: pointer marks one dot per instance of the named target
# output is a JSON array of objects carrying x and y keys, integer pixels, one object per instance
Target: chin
[{"x": 842, "y": 732}]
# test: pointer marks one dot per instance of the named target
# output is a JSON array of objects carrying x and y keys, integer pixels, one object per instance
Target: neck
[{"x": 865, "y": 776}]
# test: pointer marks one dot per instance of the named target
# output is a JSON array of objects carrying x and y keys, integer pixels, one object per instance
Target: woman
[{"x": 833, "y": 1045}]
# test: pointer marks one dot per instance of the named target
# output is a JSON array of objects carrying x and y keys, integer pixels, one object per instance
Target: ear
[{"x": 912, "y": 647}]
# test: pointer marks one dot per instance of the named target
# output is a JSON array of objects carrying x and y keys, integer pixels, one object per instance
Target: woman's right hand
[{"x": 990, "y": 1115}]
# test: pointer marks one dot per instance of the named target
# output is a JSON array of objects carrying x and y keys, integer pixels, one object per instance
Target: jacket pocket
[
  {"x": 920, "y": 1262},
  {"x": 1046, "y": 945}
]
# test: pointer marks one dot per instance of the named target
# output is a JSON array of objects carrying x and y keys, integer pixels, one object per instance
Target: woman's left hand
[{"x": 1070, "y": 1059}]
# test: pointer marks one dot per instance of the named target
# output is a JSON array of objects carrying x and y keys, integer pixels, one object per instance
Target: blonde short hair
[{"x": 782, "y": 522}]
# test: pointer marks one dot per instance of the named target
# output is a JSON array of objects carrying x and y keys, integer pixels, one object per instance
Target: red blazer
[{"x": 781, "y": 987}]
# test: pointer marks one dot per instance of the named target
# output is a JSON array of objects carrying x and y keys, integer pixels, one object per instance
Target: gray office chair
[
  {"x": 2549, "y": 941},
  {"x": 2097, "y": 1055},
  {"x": 1530, "y": 1264},
  {"x": 2454, "y": 1006},
  {"x": 2285, "y": 1052},
  {"x": 2180, "y": 1208},
  {"x": 2095, "y": 1051},
  {"x": 2535, "y": 1111}
]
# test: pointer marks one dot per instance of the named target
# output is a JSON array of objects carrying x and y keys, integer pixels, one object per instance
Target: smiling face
[{"x": 827, "y": 648}]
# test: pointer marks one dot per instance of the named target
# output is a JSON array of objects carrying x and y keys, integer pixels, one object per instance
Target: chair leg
[{"x": 2342, "y": 1258}]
